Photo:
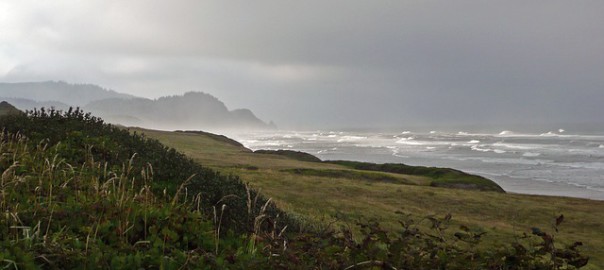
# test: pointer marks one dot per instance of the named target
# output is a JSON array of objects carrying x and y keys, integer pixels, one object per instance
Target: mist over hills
[
  {"x": 58, "y": 91},
  {"x": 189, "y": 111},
  {"x": 193, "y": 110},
  {"x": 28, "y": 104}
]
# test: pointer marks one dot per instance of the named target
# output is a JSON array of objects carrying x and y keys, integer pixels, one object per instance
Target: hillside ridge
[
  {"x": 8, "y": 109},
  {"x": 192, "y": 110}
]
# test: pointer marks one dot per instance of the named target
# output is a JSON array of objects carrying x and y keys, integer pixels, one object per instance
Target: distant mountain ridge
[
  {"x": 189, "y": 111},
  {"x": 58, "y": 91},
  {"x": 28, "y": 104},
  {"x": 192, "y": 111}
]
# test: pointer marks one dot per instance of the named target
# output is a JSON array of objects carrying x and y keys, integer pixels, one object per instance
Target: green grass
[
  {"x": 93, "y": 215},
  {"x": 77, "y": 193},
  {"x": 323, "y": 191},
  {"x": 441, "y": 177},
  {"x": 370, "y": 177},
  {"x": 297, "y": 155}
]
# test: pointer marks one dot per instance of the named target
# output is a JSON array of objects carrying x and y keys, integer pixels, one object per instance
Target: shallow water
[{"x": 550, "y": 163}]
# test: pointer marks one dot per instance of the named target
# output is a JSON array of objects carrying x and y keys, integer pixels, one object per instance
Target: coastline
[
  {"x": 544, "y": 188},
  {"x": 560, "y": 165}
]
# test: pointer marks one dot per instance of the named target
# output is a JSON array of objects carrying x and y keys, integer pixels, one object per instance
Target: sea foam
[
  {"x": 478, "y": 148},
  {"x": 351, "y": 138},
  {"x": 548, "y": 134},
  {"x": 410, "y": 141}
]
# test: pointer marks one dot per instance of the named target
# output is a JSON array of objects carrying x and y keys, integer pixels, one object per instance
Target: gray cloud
[{"x": 326, "y": 63}]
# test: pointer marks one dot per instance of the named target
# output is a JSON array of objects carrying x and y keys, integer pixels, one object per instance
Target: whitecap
[
  {"x": 516, "y": 146},
  {"x": 531, "y": 154},
  {"x": 478, "y": 148},
  {"x": 601, "y": 146},
  {"x": 505, "y": 160},
  {"x": 409, "y": 141},
  {"x": 406, "y": 132},
  {"x": 462, "y": 133},
  {"x": 432, "y": 131},
  {"x": 548, "y": 134},
  {"x": 579, "y": 185},
  {"x": 351, "y": 138},
  {"x": 499, "y": 151},
  {"x": 332, "y": 136},
  {"x": 474, "y": 141},
  {"x": 561, "y": 130},
  {"x": 506, "y": 132},
  {"x": 273, "y": 143}
]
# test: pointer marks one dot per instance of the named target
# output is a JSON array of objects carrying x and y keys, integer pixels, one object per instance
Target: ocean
[{"x": 551, "y": 163}]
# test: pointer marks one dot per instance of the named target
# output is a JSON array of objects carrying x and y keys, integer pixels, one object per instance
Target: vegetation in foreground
[{"x": 89, "y": 195}]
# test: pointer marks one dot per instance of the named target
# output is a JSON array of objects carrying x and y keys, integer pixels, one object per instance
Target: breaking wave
[
  {"x": 531, "y": 154},
  {"x": 351, "y": 138}
]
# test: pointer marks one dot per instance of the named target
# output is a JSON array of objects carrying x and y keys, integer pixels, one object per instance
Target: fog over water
[{"x": 550, "y": 163}]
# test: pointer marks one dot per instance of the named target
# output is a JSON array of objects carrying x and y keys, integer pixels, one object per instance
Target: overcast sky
[{"x": 326, "y": 63}]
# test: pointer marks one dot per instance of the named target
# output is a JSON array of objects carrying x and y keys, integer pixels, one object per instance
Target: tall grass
[{"x": 59, "y": 215}]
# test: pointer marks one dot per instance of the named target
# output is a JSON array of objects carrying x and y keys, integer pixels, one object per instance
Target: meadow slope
[{"x": 335, "y": 193}]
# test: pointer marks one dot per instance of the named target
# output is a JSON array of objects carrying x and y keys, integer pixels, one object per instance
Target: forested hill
[
  {"x": 193, "y": 110},
  {"x": 58, "y": 91}
]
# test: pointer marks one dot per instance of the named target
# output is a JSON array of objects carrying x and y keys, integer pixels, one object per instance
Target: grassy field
[{"x": 326, "y": 192}]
